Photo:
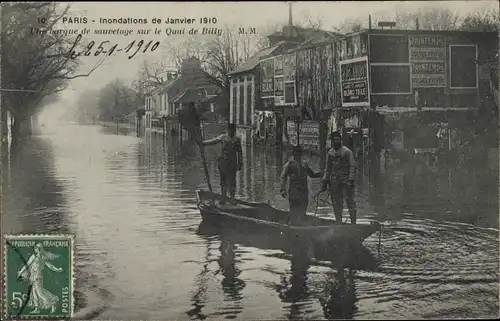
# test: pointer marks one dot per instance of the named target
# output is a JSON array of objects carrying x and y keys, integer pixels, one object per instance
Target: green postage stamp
[{"x": 38, "y": 276}]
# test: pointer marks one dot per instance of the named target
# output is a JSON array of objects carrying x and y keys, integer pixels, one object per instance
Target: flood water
[{"x": 131, "y": 204}]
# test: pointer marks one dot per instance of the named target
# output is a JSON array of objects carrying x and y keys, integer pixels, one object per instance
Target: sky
[{"x": 258, "y": 15}]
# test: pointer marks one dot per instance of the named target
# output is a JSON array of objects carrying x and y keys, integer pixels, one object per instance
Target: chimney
[{"x": 288, "y": 30}]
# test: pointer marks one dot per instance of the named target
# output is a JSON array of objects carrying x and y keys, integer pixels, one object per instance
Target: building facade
[
  {"x": 429, "y": 84},
  {"x": 244, "y": 94},
  {"x": 365, "y": 83},
  {"x": 151, "y": 107},
  {"x": 265, "y": 85}
]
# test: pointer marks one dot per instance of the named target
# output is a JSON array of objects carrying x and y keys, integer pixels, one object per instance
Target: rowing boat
[{"x": 319, "y": 233}]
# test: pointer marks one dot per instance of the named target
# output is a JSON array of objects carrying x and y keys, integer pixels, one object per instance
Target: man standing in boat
[
  {"x": 340, "y": 169},
  {"x": 230, "y": 161},
  {"x": 298, "y": 193}
]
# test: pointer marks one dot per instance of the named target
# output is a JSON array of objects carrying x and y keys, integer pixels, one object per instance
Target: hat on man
[{"x": 335, "y": 134}]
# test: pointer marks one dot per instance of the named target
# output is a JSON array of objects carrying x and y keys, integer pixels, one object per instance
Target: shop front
[{"x": 265, "y": 127}]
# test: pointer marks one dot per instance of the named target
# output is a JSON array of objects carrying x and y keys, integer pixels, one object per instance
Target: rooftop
[{"x": 253, "y": 61}]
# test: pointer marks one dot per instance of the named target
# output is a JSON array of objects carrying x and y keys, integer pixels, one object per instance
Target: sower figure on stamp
[
  {"x": 340, "y": 169},
  {"x": 40, "y": 297},
  {"x": 230, "y": 160},
  {"x": 298, "y": 192}
]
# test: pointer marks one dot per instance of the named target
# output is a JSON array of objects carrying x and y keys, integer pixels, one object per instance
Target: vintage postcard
[{"x": 249, "y": 160}]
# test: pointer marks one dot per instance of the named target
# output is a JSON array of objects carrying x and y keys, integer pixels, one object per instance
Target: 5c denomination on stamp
[{"x": 38, "y": 276}]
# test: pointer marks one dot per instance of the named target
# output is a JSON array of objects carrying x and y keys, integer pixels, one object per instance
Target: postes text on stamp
[{"x": 38, "y": 276}]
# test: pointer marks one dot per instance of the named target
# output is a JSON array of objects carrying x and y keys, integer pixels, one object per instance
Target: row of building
[{"x": 404, "y": 88}]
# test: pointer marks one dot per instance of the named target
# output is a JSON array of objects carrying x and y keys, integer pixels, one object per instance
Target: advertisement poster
[
  {"x": 289, "y": 65},
  {"x": 308, "y": 133},
  {"x": 354, "y": 82},
  {"x": 267, "y": 77},
  {"x": 427, "y": 59},
  {"x": 278, "y": 65},
  {"x": 355, "y": 92},
  {"x": 279, "y": 90}
]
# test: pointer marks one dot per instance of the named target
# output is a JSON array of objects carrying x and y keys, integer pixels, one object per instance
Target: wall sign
[
  {"x": 463, "y": 67},
  {"x": 267, "y": 77},
  {"x": 390, "y": 79},
  {"x": 354, "y": 82},
  {"x": 355, "y": 92},
  {"x": 427, "y": 60},
  {"x": 289, "y": 63},
  {"x": 309, "y": 133},
  {"x": 279, "y": 90},
  {"x": 388, "y": 48},
  {"x": 353, "y": 71},
  {"x": 278, "y": 65}
]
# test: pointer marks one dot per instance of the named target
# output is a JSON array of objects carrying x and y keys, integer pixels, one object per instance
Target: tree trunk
[
  {"x": 4, "y": 138},
  {"x": 15, "y": 132}
]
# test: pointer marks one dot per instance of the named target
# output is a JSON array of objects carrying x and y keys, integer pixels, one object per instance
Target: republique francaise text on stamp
[{"x": 38, "y": 276}]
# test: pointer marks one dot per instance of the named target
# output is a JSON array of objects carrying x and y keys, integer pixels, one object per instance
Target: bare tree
[
  {"x": 308, "y": 21},
  {"x": 219, "y": 55},
  {"x": 429, "y": 18},
  {"x": 35, "y": 57},
  {"x": 486, "y": 20},
  {"x": 152, "y": 75}
]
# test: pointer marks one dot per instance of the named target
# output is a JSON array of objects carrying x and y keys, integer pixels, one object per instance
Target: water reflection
[
  {"x": 200, "y": 294},
  {"x": 294, "y": 290},
  {"x": 33, "y": 189},
  {"x": 340, "y": 299},
  {"x": 232, "y": 286},
  {"x": 335, "y": 292}
]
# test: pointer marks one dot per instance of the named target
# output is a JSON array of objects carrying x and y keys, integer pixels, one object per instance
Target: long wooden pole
[
  {"x": 200, "y": 135},
  {"x": 204, "y": 159}
]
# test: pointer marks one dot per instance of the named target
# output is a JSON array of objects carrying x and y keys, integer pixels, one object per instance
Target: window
[
  {"x": 349, "y": 47},
  {"x": 241, "y": 104},
  {"x": 290, "y": 93},
  {"x": 356, "y": 46},
  {"x": 343, "y": 50},
  {"x": 249, "y": 101},
  {"x": 363, "y": 43},
  {"x": 235, "y": 101}
]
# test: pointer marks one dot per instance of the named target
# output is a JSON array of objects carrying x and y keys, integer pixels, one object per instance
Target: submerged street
[{"x": 131, "y": 204}]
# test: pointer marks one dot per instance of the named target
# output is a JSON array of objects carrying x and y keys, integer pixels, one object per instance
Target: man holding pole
[
  {"x": 340, "y": 169},
  {"x": 297, "y": 171},
  {"x": 190, "y": 120},
  {"x": 230, "y": 161}
]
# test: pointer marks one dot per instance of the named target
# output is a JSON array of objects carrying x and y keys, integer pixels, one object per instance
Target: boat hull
[{"x": 321, "y": 236}]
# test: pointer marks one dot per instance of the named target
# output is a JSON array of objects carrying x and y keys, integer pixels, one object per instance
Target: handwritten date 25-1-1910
[{"x": 105, "y": 48}]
